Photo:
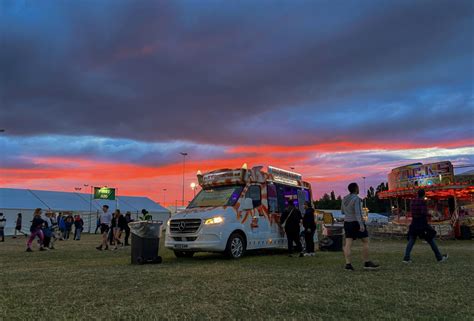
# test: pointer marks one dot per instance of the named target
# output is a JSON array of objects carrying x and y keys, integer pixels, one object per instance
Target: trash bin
[
  {"x": 333, "y": 240},
  {"x": 145, "y": 241}
]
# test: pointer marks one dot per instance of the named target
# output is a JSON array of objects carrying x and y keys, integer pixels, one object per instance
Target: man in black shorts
[
  {"x": 355, "y": 228},
  {"x": 105, "y": 220}
]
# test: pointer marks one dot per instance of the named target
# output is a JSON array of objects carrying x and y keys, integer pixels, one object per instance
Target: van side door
[{"x": 258, "y": 222}]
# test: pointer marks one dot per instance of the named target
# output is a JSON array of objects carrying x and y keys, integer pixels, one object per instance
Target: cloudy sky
[{"x": 109, "y": 92}]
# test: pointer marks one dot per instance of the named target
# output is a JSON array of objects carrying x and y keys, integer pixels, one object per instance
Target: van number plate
[{"x": 181, "y": 246}]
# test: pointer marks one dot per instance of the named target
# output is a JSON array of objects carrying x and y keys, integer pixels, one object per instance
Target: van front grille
[{"x": 184, "y": 226}]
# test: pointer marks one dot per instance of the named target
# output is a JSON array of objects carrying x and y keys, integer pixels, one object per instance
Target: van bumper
[{"x": 202, "y": 243}]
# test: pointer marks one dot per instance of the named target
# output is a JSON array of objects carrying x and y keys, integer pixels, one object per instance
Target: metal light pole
[
  {"x": 90, "y": 207},
  {"x": 365, "y": 193},
  {"x": 184, "y": 164},
  {"x": 164, "y": 197}
]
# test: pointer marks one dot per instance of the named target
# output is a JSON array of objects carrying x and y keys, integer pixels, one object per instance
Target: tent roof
[
  {"x": 19, "y": 199},
  {"x": 11, "y": 198},
  {"x": 62, "y": 201}
]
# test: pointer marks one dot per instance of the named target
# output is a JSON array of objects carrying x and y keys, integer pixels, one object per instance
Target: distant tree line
[{"x": 373, "y": 202}]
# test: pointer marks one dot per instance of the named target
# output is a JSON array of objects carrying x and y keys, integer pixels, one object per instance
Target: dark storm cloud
[{"x": 246, "y": 73}]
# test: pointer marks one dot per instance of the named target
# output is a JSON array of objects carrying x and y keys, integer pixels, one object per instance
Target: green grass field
[{"x": 76, "y": 281}]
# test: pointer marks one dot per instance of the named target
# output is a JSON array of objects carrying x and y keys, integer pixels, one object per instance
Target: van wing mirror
[{"x": 247, "y": 204}]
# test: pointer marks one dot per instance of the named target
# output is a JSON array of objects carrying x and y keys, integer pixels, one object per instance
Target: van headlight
[{"x": 214, "y": 220}]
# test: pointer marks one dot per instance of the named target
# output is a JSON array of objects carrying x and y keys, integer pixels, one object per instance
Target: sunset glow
[{"x": 288, "y": 86}]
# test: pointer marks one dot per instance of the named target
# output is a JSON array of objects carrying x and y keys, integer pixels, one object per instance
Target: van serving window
[
  {"x": 285, "y": 193},
  {"x": 254, "y": 193},
  {"x": 272, "y": 198}
]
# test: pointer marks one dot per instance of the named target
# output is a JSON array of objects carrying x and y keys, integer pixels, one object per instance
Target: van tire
[
  {"x": 235, "y": 248},
  {"x": 183, "y": 253}
]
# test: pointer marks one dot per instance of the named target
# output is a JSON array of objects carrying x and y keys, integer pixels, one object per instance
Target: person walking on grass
[
  {"x": 62, "y": 226},
  {"x": 54, "y": 230},
  {"x": 291, "y": 222},
  {"x": 419, "y": 227},
  {"x": 78, "y": 226},
  {"x": 3, "y": 222},
  {"x": 309, "y": 228},
  {"x": 97, "y": 226},
  {"x": 18, "y": 226},
  {"x": 118, "y": 225},
  {"x": 69, "y": 222},
  {"x": 105, "y": 221},
  {"x": 128, "y": 219},
  {"x": 354, "y": 228},
  {"x": 35, "y": 229},
  {"x": 47, "y": 229}
]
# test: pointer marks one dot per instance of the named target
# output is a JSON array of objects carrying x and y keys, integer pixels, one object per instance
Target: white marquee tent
[{"x": 25, "y": 201}]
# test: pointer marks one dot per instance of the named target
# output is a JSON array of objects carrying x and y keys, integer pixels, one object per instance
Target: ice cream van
[{"x": 235, "y": 211}]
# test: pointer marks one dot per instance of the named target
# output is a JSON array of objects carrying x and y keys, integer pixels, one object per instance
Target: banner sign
[
  {"x": 104, "y": 193},
  {"x": 284, "y": 176},
  {"x": 229, "y": 176}
]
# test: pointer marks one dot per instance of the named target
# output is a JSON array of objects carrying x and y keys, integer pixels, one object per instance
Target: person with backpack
[
  {"x": 419, "y": 227},
  {"x": 291, "y": 221}
]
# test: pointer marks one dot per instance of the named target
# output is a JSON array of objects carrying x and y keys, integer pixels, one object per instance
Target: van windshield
[{"x": 217, "y": 196}]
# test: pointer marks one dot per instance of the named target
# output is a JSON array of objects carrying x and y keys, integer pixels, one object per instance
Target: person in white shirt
[{"x": 105, "y": 220}]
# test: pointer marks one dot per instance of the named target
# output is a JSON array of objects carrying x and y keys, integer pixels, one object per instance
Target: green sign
[{"x": 104, "y": 193}]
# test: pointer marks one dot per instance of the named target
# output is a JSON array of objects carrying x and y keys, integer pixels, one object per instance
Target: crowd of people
[
  {"x": 112, "y": 227},
  {"x": 355, "y": 228},
  {"x": 49, "y": 228}
]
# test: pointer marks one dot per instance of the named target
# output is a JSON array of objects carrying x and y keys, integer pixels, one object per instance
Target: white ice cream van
[{"x": 236, "y": 210}]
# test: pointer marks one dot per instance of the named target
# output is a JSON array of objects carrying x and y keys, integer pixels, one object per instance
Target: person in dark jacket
[
  {"x": 291, "y": 219},
  {"x": 61, "y": 226},
  {"x": 128, "y": 219},
  {"x": 118, "y": 225},
  {"x": 419, "y": 227},
  {"x": 18, "y": 226},
  {"x": 69, "y": 222},
  {"x": 3, "y": 222},
  {"x": 309, "y": 228},
  {"x": 78, "y": 226},
  {"x": 36, "y": 230}
]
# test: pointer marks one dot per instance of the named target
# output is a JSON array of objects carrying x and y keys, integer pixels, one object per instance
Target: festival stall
[{"x": 449, "y": 198}]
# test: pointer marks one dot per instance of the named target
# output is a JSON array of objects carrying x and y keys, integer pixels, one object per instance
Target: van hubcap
[{"x": 236, "y": 247}]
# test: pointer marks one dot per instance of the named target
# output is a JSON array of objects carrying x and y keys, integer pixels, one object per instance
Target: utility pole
[
  {"x": 164, "y": 197},
  {"x": 184, "y": 166},
  {"x": 365, "y": 193}
]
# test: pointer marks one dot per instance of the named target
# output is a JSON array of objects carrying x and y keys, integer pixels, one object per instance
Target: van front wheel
[{"x": 235, "y": 246}]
